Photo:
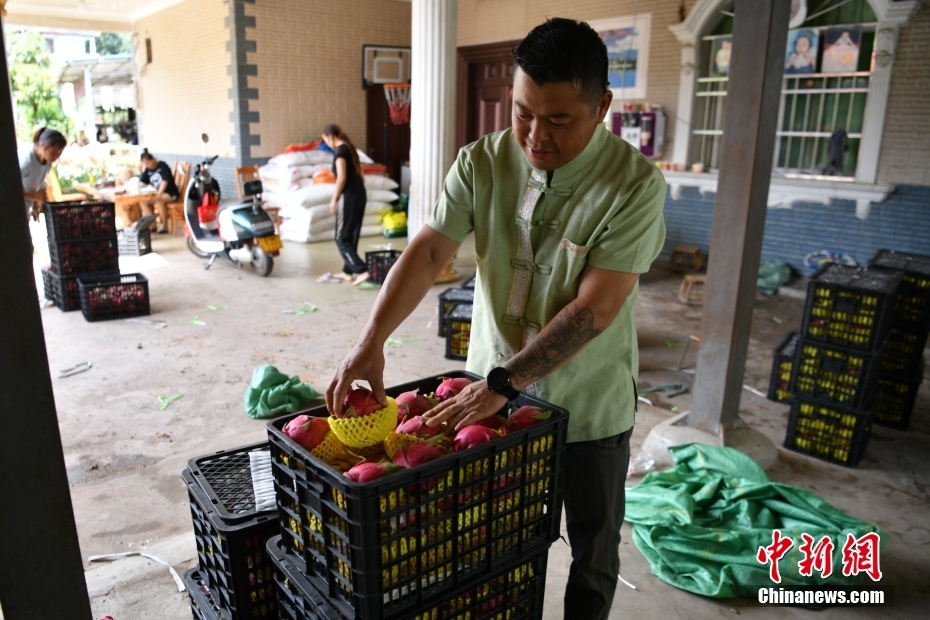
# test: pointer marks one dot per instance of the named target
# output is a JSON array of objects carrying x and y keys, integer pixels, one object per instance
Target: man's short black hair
[{"x": 565, "y": 50}]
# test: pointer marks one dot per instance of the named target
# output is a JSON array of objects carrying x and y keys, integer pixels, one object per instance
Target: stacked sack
[{"x": 301, "y": 185}]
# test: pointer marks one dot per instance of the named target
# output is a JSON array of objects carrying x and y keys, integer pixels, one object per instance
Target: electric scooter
[{"x": 241, "y": 229}]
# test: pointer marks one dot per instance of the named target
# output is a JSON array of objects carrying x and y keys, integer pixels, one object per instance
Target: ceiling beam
[{"x": 112, "y": 23}]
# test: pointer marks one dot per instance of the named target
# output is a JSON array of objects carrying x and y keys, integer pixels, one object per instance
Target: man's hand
[
  {"x": 34, "y": 211},
  {"x": 332, "y": 207},
  {"x": 363, "y": 363},
  {"x": 473, "y": 404}
]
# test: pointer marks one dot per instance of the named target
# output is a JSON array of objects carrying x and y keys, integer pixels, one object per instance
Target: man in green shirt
[{"x": 565, "y": 216}]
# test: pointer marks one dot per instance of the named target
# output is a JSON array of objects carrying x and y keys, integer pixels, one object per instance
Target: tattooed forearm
[{"x": 565, "y": 336}]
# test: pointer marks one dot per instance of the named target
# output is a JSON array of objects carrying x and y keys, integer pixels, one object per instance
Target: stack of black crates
[
  {"x": 902, "y": 368},
  {"x": 455, "y": 305},
  {"x": 234, "y": 579},
  {"x": 464, "y": 536},
  {"x": 84, "y": 271},
  {"x": 836, "y": 362}
]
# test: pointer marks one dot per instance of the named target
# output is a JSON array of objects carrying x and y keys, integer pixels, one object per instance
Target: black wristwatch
[{"x": 499, "y": 383}]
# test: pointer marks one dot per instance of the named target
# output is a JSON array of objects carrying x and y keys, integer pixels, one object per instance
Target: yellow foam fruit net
[
  {"x": 367, "y": 430},
  {"x": 331, "y": 450},
  {"x": 372, "y": 454},
  {"x": 398, "y": 441}
]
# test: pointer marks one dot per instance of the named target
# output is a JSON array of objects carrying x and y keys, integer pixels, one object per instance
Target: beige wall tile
[
  {"x": 309, "y": 57},
  {"x": 185, "y": 91}
]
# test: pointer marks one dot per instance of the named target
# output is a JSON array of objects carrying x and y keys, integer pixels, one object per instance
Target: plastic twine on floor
[{"x": 119, "y": 556}]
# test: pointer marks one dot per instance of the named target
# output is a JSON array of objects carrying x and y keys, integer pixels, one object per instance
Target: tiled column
[{"x": 432, "y": 105}]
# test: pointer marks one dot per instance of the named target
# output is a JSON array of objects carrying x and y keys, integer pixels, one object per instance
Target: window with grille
[{"x": 813, "y": 105}]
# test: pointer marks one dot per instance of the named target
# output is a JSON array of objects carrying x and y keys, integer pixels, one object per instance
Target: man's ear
[{"x": 603, "y": 106}]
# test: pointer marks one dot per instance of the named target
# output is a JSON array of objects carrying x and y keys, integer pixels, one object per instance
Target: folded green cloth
[
  {"x": 701, "y": 523},
  {"x": 274, "y": 394}
]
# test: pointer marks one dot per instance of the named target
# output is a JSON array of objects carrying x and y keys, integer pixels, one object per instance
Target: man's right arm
[{"x": 405, "y": 287}]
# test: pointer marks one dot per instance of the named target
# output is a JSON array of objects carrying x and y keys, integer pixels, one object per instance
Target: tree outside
[
  {"x": 113, "y": 43},
  {"x": 35, "y": 92}
]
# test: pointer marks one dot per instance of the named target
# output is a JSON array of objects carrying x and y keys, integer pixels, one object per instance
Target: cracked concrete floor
[{"x": 124, "y": 455}]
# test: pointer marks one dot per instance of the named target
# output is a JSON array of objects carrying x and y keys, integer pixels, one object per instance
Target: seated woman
[
  {"x": 158, "y": 175},
  {"x": 34, "y": 164}
]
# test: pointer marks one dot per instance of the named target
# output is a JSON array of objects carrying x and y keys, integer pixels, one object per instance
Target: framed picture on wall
[
  {"x": 627, "y": 40},
  {"x": 801, "y": 55},
  {"x": 840, "y": 50},
  {"x": 722, "y": 52}
]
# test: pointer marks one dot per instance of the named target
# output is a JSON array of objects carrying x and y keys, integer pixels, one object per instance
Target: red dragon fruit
[
  {"x": 451, "y": 387},
  {"x": 417, "y": 427},
  {"x": 366, "y": 472},
  {"x": 525, "y": 417},
  {"x": 411, "y": 404},
  {"x": 358, "y": 403},
  {"x": 420, "y": 452},
  {"x": 307, "y": 431},
  {"x": 494, "y": 422},
  {"x": 471, "y": 436}
]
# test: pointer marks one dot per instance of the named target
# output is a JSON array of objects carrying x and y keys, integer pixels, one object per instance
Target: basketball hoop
[{"x": 398, "y": 98}]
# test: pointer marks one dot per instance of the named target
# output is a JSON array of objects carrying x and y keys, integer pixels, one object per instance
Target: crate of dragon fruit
[{"x": 384, "y": 514}]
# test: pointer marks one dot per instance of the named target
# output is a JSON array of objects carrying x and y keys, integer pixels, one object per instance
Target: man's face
[{"x": 552, "y": 123}]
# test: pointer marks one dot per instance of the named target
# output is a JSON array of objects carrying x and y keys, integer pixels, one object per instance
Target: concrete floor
[{"x": 124, "y": 455}]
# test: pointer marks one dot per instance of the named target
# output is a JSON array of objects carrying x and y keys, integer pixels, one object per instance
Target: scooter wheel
[
  {"x": 262, "y": 262},
  {"x": 192, "y": 246}
]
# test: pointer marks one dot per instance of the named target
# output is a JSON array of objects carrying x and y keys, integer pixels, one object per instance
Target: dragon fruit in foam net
[
  {"x": 471, "y": 436},
  {"x": 366, "y": 472},
  {"x": 412, "y": 404},
  {"x": 307, "y": 431},
  {"x": 417, "y": 427},
  {"x": 358, "y": 403},
  {"x": 451, "y": 387}
]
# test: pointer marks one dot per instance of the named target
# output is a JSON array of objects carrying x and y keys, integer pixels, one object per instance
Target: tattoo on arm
[{"x": 567, "y": 334}]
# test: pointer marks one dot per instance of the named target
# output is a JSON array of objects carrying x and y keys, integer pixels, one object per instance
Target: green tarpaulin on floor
[
  {"x": 701, "y": 524},
  {"x": 272, "y": 393}
]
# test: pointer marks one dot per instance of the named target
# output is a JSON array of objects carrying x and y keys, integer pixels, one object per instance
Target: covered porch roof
[{"x": 102, "y": 15}]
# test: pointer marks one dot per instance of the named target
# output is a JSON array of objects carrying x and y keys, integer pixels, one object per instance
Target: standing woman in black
[{"x": 350, "y": 185}]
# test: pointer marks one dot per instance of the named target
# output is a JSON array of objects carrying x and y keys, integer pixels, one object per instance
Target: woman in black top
[
  {"x": 158, "y": 175},
  {"x": 350, "y": 185}
]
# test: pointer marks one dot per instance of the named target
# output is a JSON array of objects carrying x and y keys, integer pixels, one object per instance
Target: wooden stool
[
  {"x": 686, "y": 259},
  {"x": 692, "y": 289}
]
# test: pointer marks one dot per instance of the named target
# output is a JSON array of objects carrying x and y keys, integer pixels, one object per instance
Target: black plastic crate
[
  {"x": 458, "y": 331},
  {"x": 835, "y": 375},
  {"x": 449, "y": 298},
  {"x": 829, "y": 432},
  {"x": 137, "y": 240},
  {"x": 297, "y": 599},
  {"x": 850, "y": 307},
  {"x": 912, "y": 307},
  {"x": 104, "y": 298},
  {"x": 62, "y": 291},
  {"x": 380, "y": 263},
  {"x": 75, "y": 258},
  {"x": 782, "y": 368},
  {"x": 512, "y": 590},
  {"x": 204, "y": 605},
  {"x": 232, "y": 556},
  {"x": 470, "y": 282},
  {"x": 895, "y": 401},
  {"x": 904, "y": 353},
  {"x": 81, "y": 219},
  {"x": 384, "y": 549}
]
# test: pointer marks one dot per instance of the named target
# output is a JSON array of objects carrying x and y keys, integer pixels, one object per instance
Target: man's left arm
[{"x": 601, "y": 294}]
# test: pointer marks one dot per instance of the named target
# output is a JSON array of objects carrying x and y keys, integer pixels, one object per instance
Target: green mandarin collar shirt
[{"x": 533, "y": 239}]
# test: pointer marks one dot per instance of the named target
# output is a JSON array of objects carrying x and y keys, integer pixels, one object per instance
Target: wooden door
[
  {"x": 388, "y": 144},
  {"x": 485, "y": 90}
]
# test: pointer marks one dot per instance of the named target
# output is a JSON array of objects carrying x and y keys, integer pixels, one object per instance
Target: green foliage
[
  {"x": 112, "y": 43},
  {"x": 34, "y": 89}
]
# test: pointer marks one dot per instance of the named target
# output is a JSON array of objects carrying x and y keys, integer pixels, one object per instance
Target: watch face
[{"x": 498, "y": 378}]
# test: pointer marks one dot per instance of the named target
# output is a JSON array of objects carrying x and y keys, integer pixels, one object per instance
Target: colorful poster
[
  {"x": 627, "y": 41},
  {"x": 801, "y": 55},
  {"x": 841, "y": 50},
  {"x": 722, "y": 48}
]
